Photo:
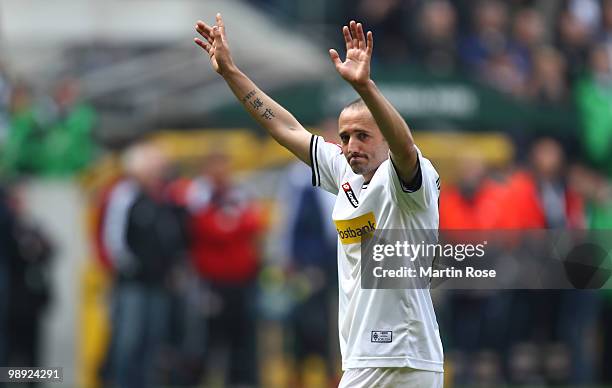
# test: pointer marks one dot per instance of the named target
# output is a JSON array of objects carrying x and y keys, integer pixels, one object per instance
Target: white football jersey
[{"x": 379, "y": 327}]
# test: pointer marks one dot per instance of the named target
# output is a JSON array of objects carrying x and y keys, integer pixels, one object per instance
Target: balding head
[
  {"x": 146, "y": 163},
  {"x": 356, "y": 104}
]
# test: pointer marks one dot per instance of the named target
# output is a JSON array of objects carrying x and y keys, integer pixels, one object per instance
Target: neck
[{"x": 368, "y": 177}]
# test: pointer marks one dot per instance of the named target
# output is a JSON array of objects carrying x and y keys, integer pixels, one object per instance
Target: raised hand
[
  {"x": 215, "y": 44},
  {"x": 356, "y": 67}
]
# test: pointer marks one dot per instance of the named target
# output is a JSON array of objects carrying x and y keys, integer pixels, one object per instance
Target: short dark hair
[{"x": 358, "y": 103}]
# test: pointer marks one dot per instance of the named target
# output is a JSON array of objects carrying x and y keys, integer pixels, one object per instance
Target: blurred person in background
[
  {"x": 225, "y": 225},
  {"x": 561, "y": 321},
  {"x": 597, "y": 191},
  {"x": 486, "y": 51},
  {"x": 29, "y": 252},
  {"x": 473, "y": 201},
  {"x": 542, "y": 68},
  {"x": 69, "y": 146},
  {"x": 548, "y": 79},
  {"x": 587, "y": 12},
  {"x": 604, "y": 35},
  {"x": 540, "y": 193},
  {"x": 145, "y": 239},
  {"x": 474, "y": 318},
  {"x": 22, "y": 149},
  {"x": 527, "y": 35},
  {"x": 306, "y": 244},
  {"x": 573, "y": 40},
  {"x": 387, "y": 18},
  {"x": 593, "y": 94},
  {"x": 487, "y": 36},
  {"x": 502, "y": 73},
  {"x": 51, "y": 136},
  {"x": 435, "y": 44}
]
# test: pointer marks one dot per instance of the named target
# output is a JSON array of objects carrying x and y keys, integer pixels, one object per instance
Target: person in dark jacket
[
  {"x": 25, "y": 254},
  {"x": 144, "y": 237}
]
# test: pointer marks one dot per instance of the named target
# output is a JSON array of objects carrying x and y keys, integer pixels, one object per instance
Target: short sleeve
[
  {"x": 424, "y": 189},
  {"x": 327, "y": 163}
]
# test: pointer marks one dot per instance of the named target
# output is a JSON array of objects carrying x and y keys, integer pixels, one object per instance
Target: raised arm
[
  {"x": 281, "y": 124},
  {"x": 356, "y": 71}
]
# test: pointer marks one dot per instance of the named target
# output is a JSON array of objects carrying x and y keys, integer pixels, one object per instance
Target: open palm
[{"x": 355, "y": 69}]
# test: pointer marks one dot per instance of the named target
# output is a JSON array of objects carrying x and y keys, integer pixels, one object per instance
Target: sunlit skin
[{"x": 363, "y": 145}]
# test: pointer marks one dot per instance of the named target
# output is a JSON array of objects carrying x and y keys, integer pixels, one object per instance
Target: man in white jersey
[{"x": 388, "y": 337}]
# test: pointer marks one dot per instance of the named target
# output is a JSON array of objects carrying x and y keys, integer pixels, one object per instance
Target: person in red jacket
[
  {"x": 539, "y": 195},
  {"x": 540, "y": 198},
  {"x": 225, "y": 226},
  {"x": 473, "y": 202}
]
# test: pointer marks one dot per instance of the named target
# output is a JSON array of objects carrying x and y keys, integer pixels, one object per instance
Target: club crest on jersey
[
  {"x": 350, "y": 194},
  {"x": 381, "y": 336}
]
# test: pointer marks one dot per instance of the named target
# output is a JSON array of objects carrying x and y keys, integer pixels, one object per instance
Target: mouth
[{"x": 356, "y": 159}]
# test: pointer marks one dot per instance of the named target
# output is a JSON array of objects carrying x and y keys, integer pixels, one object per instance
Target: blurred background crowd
[{"x": 150, "y": 235}]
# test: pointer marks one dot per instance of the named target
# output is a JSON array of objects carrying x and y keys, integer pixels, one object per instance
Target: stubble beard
[{"x": 360, "y": 168}]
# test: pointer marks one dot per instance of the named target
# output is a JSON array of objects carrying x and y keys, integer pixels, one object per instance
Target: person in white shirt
[{"x": 388, "y": 337}]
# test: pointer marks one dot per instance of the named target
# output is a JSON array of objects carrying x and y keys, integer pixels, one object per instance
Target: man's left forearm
[{"x": 393, "y": 128}]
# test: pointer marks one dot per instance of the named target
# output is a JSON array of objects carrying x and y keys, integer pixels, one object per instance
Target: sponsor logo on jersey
[
  {"x": 351, "y": 231},
  {"x": 381, "y": 336},
  {"x": 350, "y": 194}
]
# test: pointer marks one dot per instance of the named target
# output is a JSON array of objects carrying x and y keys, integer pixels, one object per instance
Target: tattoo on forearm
[
  {"x": 249, "y": 95},
  {"x": 268, "y": 114},
  {"x": 256, "y": 103}
]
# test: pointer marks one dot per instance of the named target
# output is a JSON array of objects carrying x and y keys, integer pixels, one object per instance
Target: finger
[
  {"x": 347, "y": 38},
  {"x": 204, "y": 29},
  {"x": 215, "y": 32},
  {"x": 221, "y": 25},
  {"x": 370, "y": 45},
  {"x": 353, "y": 27},
  {"x": 219, "y": 39},
  {"x": 206, "y": 34},
  {"x": 203, "y": 45},
  {"x": 335, "y": 57},
  {"x": 361, "y": 37},
  {"x": 219, "y": 19}
]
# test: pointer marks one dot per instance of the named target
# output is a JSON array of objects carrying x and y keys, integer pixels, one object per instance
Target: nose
[{"x": 353, "y": 145}]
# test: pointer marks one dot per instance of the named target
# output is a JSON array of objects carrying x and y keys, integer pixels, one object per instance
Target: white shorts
[{"x": 391, "y": 378}]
